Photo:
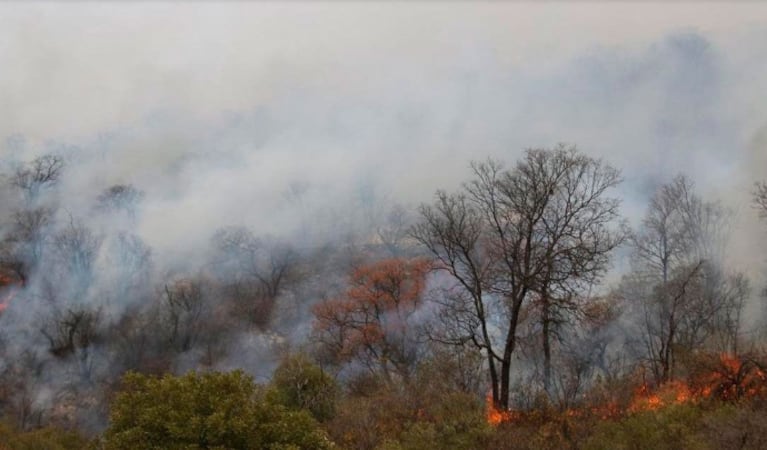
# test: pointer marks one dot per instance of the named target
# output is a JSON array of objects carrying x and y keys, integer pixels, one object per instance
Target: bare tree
[
  {"x": 73, "y": 332},
  {"x": 583, "y": 351},
  {"x": 760, "y": 198},
  {"x": 191, "y": 320},
  {"x": 184, "y": 313},
  {"x": 131, "y": 259},
  {"x": 540, "y": 230},
  {"x": 254, "y": 271},
  {"x": 394, "y": 230},
  {"x": 22, "y": 248},
  {"x": 40, "y": 174},
  {"x": 120, "y": 198},
  {"x": 138, "y": 341},
  {"x": 76, "y": 248},
  {"x": 678, "y": 282}
]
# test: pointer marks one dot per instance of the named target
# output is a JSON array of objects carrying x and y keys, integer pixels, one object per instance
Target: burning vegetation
[
  {"x": 722, "y": 378},
  {"x": 468, "y": 323}
]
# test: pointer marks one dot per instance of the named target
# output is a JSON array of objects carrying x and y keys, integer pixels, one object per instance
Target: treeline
[{"x": 482, "y": 319}]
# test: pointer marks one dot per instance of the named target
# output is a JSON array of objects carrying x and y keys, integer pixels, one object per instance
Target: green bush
[
  {"x": 302, "y": 385},
  {"x": 673, "y": 428},
  {"x": 205, "y": 411},
  {"x": 42, "y": 439}
]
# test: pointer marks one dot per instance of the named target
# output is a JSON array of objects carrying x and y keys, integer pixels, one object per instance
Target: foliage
[
  {"x": 300, "y": 384},
  {"x": 205, "y": 411},
  {"x": 669, "y": 428},
  {"x": 42, "y": 439},
  {"x": 371, "y": 322},
  {"x": 417, "y": 414}
]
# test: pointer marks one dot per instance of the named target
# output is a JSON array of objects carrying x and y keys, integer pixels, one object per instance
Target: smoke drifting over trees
[{"x": 259, "y": 186}]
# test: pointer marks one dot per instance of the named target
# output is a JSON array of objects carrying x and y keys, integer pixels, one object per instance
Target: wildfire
[
  {"x": 494, "y": 415},
  {"x": 734, "y": 378},
  {"x": 671, "y": 393},
  {"x": 721, "y": 377}
]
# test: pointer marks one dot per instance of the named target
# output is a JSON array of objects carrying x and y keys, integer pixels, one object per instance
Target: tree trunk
[
  {"x": 511, "y": 341},
  {"x": 546, "y": 335}
]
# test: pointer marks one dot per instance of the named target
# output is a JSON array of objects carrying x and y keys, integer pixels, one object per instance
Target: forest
[
  {"x": 383, "y": 225},
  {"x": 518, "y": 310}
]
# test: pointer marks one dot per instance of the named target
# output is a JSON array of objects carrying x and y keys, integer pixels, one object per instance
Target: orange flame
[
  {"x": 671, "y": 393},
  {"x": 727, "y": 378},
  {"x": 494, "y": 415}
]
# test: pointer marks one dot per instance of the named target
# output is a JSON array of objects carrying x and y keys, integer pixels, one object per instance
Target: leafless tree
[
  {"x": 76, "y": 248},
  {"x": 394, "y": 230},
  {"x": 255, "y": 271},
  {"x": 678, "y": 282},
  {"x": 191, "y": 320},
  {"x": 73, "y": 332},
  {"x": 583, "y": 355},
  {"x": 131, "y": 259},
  {"x": 120, "y": 198},
  {"x": 40, "y": 174},
  {"x": 137, "y": 342},
  {"x": 184, "y": 311},
  {"x": 760, "y": 198},
  {"x": 542, "y": 230},
  {"x": 22, "y": 248}
]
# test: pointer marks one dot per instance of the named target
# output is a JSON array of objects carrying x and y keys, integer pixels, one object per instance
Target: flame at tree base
[
  {"x": 721, "y": 377},
  {"x": 497, "y": 416}
]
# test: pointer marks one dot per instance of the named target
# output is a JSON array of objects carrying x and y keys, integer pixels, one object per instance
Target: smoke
[{"x": 308, "y": 122}]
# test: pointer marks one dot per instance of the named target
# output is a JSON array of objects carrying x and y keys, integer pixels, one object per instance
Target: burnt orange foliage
[{"x": 370, "y": 321}]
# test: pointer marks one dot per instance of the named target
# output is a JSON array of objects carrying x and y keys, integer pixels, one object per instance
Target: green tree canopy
[
  {"x": 300, "y": 384},
  {"x": 205, "y": 411}
]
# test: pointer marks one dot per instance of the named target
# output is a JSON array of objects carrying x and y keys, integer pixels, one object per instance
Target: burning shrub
[{"x": 730, "y": 377}]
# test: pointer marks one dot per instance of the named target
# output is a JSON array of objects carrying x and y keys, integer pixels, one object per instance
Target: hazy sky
[
  {"x": 217, "y": 110},
  {"x": 71, "y": 69}
]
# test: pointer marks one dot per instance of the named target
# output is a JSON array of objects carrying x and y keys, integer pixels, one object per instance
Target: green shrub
[
  {"x": 205, "y": 411},
  {"x": 302, "y": 385},
  {"x": 42, "y": 439}
]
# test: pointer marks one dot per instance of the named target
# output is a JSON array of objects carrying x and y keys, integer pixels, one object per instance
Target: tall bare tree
[
  {"x": 76, "y": 248},
  {"x": 540, "y": 231},
  {"x": 679, "y": 284}
]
